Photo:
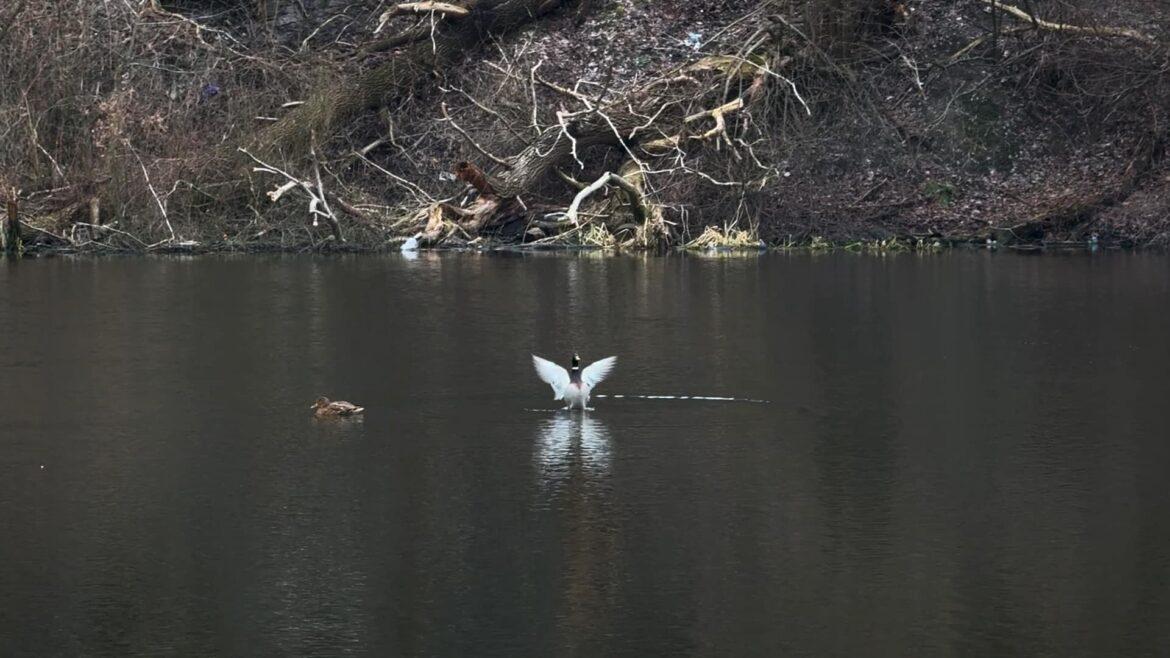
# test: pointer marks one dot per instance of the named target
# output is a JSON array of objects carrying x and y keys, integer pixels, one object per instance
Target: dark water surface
[{"x": 964, "y": 454}]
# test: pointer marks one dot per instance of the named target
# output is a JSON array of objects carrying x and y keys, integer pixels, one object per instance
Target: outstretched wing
[
  {"x": 598, "y": 370},
  {"x": 552, "y": 374}
]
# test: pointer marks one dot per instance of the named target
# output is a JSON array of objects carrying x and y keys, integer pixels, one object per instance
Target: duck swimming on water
[
  {"x": 574, "y": 385},
  {"x": 324, "y": 408}
]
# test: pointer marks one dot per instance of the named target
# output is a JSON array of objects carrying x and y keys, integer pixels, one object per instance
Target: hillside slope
[{"x": 286, "y": 125}]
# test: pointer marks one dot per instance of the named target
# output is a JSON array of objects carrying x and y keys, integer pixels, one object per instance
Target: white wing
[
  {"x": 598, "y": 370},
  {"x": 552, "y": 374}
]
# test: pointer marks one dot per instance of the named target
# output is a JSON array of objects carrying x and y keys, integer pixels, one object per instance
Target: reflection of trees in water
[{"x": 573, "y": 453}]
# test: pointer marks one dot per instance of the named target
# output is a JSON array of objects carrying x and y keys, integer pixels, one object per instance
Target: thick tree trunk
[{"x": 553, "y": 148}]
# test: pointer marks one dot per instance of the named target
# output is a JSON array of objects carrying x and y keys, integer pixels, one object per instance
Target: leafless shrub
[{"x": 97, "y": 97}]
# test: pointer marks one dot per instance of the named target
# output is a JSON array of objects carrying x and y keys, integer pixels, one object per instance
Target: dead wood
[
  {"x": 635, "y": 123},
  {"x": 11, "y": 234},
  {"x": 1088, "y": 30}
]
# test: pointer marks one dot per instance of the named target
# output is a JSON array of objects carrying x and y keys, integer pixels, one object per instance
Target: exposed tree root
[
  {"x": 650, "y": 125},
  {"x": 444, "y": 9},
  {"x": 609, "y": 178}
]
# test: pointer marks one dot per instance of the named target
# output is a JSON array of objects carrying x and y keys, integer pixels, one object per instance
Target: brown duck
[{"x": 324, "y": 407}]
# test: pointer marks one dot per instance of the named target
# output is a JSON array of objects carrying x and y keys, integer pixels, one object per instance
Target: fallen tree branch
[
  {"x": 1065, "y": 27},
  {"x": 324, "y": 198},
  {"x": 444, "y": 9},
  {"x": 608, "y": 178},
  {"x": 421, "y": 195},
  {"x": 623, "y": 122},
  {"x": 95, "y": 215},
  {"x": 316, "y": 193},
  {"x": 651, "y": 115},
  {"x": 717, "y": 114}
]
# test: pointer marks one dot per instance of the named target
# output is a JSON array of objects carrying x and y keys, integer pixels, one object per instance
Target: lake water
[{"x": 962, "y": 454}]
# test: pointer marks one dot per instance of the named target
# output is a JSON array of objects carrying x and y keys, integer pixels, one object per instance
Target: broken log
[{"x": 11, "y": 234}]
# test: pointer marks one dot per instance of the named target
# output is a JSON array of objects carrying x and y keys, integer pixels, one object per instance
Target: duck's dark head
[
  {"x": 576, "y": 361},
  {"x": 321, "y": 402}
]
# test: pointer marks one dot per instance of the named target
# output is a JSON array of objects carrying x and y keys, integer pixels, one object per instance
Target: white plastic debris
[{"x": 411, "y": 243}]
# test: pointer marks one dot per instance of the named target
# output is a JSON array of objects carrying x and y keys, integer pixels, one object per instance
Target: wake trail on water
[{"x": 710, "y": 398}]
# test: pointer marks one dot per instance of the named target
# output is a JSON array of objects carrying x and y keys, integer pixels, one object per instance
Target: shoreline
[{"x": 873, "y": 248}]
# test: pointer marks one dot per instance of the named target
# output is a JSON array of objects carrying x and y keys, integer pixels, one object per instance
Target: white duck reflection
[
  {"x": 570, "y": 443},
  {"x": 573, "y": 454}
]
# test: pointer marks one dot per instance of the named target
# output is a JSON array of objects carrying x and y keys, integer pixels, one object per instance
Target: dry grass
[
  {"x": 714, "y": 237},
  {"x": 112, "y": 102}
]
